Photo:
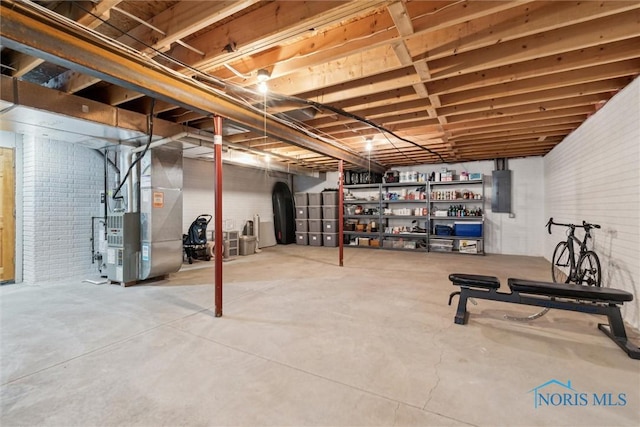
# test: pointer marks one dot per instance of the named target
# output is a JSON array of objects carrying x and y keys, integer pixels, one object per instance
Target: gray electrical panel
[
  {"x": 123, "y": 247},
  {"x": 501, "y": 191}
]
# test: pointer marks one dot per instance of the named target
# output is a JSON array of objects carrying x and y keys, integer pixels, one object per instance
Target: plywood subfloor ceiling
[{"x": 452, "y": 80}]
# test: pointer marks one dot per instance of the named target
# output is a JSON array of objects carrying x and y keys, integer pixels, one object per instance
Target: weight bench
[{"x": 563, "y": 296}]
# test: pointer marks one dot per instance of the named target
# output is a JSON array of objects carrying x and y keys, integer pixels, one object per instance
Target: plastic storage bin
[
  {"x": 302, "y": 238},
  {"x": 330, "y": 212},
  {"x": 315, "y": 199},
  {"x": 302, "y": 225},
  {"x": 329, "y": 225},
  {"x": 315, "y": 239},
  {"x": 329, "y": 198},
  {"x": 301, "y": 199},
  {"x": 301, "y": 212},
  {"x": 444, "y": 245},
  {"x": 443, "y": 230},
  {"x": 330, "y": 239},
  {"x": 247, "y": 245},
  {"x": 315, "y": 212},
  {"x": 315, "y": 225},
  {"x": 468, "y": 229}
]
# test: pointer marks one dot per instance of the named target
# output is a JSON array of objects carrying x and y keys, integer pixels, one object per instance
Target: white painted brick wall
[
  {"x": 61, "y": 192},
  {"x": 245, "y": 192},
  {"x": 594, "y": 175}
]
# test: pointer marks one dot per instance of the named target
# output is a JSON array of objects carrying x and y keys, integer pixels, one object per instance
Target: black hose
[
  {"x": 135, "y": 162},
  {"x": 354, "y": 117}
]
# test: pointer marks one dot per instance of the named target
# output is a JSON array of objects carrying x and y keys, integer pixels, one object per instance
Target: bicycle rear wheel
[
  {"x": 561, "y": 264},
  {"x": 589, "y": 272}
]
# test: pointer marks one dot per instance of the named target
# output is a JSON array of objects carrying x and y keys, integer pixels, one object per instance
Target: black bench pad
[
  {"x": 474, "y": 280},
  {"x": 566, "y": 290}
]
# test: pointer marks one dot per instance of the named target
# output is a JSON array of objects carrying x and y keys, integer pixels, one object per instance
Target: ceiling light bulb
[
  {"x": 262, "y": 87},
  {"x": 263, "y": 75},
  {"x": 369, "y": 144}
]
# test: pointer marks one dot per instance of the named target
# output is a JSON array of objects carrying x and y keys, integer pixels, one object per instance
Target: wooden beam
[
  {"x": 325, "y": 46},
  {"x": 518, "y": 119},
  {"x": 354, "y": 37},
  {"x": 501, "y": 135},
  {"x": 178, "y": 21},
  {"x": 98, "y": 11},
  {"x": 29, "y": 31},
  {"x": 537, "y": 96},
  {"x": 353, "y": 67},
  {"x": 593, "y": 33},
  {"x": 278, "y": 21},
  {"x": 614, "y": 70},
  {"x": 568, "y": 61},
  {"x": 388, "y": 81},
  {"x": 535, "y": 107},
  {"x": 516, "y": 126},
  {"x": 520, "y": 21}
]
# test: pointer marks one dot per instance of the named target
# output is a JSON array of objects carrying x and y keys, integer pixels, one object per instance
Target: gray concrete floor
[{"x": 304, "y": 342}]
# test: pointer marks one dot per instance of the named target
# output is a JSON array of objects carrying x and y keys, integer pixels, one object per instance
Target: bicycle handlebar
[{"x": 587, "y": 226}]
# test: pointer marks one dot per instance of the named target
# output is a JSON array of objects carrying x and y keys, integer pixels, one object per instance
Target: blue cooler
[{"x": 468, "y": 229}]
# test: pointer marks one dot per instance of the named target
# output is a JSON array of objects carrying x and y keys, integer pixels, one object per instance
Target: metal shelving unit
[
  {"x": 437, "y": 242},
  {"x": 403, "y": 241}
]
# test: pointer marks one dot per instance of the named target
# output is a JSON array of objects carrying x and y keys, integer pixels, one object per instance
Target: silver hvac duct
[{"x": 160, "y": 212}]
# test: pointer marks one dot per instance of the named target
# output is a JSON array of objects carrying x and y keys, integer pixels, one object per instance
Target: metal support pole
[
  {"x": 218, "y": 249},
  {"x": 341, "y": 212}
]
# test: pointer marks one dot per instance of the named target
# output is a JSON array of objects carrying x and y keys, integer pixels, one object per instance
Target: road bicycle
[{"x": 566, "y": 268}]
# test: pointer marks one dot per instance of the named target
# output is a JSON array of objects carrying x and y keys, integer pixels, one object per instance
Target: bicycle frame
[{"x": 572, "y": 240}]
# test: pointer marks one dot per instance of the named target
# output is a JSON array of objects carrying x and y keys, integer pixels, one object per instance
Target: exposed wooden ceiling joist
[{"x": 467, "y": 79}]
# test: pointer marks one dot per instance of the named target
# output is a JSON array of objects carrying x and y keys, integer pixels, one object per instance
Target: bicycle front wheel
[
  {"x": 561, "y": 264},
  {"x": 589, "y": 272}
]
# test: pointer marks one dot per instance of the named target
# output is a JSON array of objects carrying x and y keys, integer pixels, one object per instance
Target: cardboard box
[{"x": 468, "y": 246}]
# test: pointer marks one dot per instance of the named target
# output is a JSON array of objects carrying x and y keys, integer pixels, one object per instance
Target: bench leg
[
  {"x": 616, "y": 331},
  {"x": 461, "y": 313}
]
